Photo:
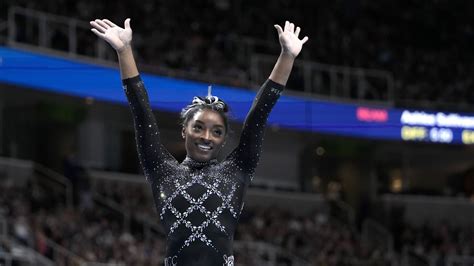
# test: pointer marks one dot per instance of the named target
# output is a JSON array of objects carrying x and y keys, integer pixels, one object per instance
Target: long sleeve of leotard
[
  {"x": 152, "y": 154},
  {"x": 248, "y": 150}
]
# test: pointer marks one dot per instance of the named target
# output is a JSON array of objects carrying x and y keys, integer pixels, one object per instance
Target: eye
[
  {"x": 197, "y": 128},
  {"x": 218, "y": 132}
]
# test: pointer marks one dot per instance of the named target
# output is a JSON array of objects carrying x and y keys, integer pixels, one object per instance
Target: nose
[{"x": 206, "y": 135}]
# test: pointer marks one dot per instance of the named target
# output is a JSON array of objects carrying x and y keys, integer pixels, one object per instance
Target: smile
[{"x": 204, "y": 147}]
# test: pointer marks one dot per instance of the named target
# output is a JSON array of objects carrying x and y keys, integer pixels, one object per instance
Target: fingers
[
  {"x": 102, "y": 23},
  {"x": 305, "y": 39},
  {"x": 127, "y": 23},
  {"x": 110, "y": 23},
  {"x": 279, "y": 29},
  {"x": 290, "y": 27},
  {"x": 97, "y": 33},
  {"x": 97, "y": 26},
  {"x": 297, "y": 31}
]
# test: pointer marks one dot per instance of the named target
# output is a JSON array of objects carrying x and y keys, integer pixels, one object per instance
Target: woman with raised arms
[{"x": 199, "y": 200}]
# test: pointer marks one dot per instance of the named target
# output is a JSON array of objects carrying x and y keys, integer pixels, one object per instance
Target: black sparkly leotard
[{"x": 199, "y": 203}]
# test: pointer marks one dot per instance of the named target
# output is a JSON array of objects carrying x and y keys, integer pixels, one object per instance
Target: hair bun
[
  {"x": 210, "y": 101},
  {"x": 200, "y": 103}
]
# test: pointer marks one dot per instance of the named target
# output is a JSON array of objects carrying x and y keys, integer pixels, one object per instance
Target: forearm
[
  {"x": 128, "y": 67},
  {"x": 251, "y": 138},
  {"x": 282, "y": 69},
  {"x": 147, "y": 135}
]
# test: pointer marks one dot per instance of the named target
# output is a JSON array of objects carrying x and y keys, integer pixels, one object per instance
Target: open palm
[
  {"x": 117, "y": 37},
  {"x": 289, "y": 40}
]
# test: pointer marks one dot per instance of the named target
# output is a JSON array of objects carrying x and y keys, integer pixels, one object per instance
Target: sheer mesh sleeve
[
  {"x": 248, "y": 150},
  {"x": 152, "y": 154}
]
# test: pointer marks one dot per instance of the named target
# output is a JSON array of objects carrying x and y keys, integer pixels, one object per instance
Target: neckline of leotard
[{"x": 195, "y": 164}]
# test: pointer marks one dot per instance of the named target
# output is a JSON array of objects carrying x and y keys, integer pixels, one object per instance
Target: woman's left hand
[{"x": 289, "y": 41}]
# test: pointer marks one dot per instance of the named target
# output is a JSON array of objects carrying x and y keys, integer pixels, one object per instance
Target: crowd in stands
[
  {"x": 94, "y": 233},
  {"x": 318, "y": 237},
  {"x": 315, "y": 237},
  {"x": 436, "y": 241},
  {"x": 427, "y": 45},
  {"x": 37, "y": 216}
]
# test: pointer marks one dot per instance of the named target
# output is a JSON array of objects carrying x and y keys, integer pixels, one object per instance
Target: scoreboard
[
  {"x": 384, "y": 123},
  {"x": 437, "y": 127}
]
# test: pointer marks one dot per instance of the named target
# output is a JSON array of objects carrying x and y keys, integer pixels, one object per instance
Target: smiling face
[{"x": 204, "y": 135}]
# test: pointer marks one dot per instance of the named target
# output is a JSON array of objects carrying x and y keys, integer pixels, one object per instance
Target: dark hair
[{"x": 201, "y": 103}]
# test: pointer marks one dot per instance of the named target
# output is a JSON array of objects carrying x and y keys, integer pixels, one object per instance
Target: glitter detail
[{"x": 228, "y": 261}]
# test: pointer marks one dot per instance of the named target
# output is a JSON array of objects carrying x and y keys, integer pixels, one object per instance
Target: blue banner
[{"x": 72, "y": 77}]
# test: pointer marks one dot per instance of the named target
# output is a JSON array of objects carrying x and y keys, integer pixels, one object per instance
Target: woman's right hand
[{"x": 119, "y": 38}]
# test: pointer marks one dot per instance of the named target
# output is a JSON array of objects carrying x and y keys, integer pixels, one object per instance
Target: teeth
[{"x": 204, "y": 147}]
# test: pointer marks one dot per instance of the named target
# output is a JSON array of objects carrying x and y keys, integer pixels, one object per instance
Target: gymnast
[{"x": 199, "y": 200}]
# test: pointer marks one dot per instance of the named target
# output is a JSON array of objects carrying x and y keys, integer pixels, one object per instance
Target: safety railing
[
  {"x": 17, "y": 254},
  {"x": 421, "y": 208},
  {"x": 61, "y": 254},
  {"x": 55, "y": 179},
  {"x": 69, "y": 37},
  {"x": 15, "y": 171},
  {"x": 27, "y": 26},
  {"x": 151, "y": 229},
  {"x": 57, "y": 255},
  {"x": 34, "y": 29},
  {"x": 20, "y": 171},
  {"x": 56, "y": 252},
  {"x": 331, "y": 81},
  {"x": 114, "y": 207}
]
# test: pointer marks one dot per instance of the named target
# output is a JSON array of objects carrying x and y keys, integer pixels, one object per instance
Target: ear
[{"x": 183, "y": 133}]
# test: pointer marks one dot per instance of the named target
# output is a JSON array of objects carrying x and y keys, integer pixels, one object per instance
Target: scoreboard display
[
  {"x": 89, "y": 80},
  {"x": 383, "y": 123},
  {"x": 437, "y": 127}
]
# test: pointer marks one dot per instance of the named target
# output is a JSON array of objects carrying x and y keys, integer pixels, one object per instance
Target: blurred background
[{"x": 368, "y": 155}]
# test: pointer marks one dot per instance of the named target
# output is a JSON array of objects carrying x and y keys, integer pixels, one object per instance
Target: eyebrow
[{"x": 201, "y": 122}]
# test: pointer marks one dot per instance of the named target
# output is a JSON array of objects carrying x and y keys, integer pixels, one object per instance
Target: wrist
[
  {"x": 287, "y": 55},
  {"x": 126, "y": 49}
]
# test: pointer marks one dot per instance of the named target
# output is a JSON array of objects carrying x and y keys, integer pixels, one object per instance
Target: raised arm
[
  {"x": 153, "y": 156},
  {"x": 249, "y": 148}
]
